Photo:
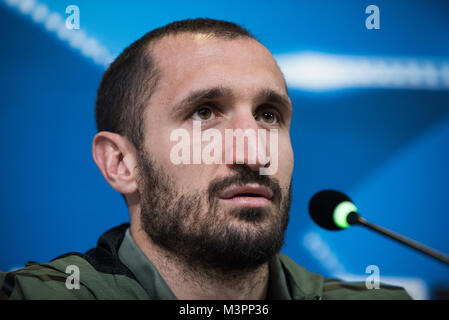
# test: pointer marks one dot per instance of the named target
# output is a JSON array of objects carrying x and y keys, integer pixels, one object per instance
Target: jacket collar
[{"x": 301, "y": 283}]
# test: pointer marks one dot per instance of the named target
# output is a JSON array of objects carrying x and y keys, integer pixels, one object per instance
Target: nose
[{"x": 245, "y": 141}]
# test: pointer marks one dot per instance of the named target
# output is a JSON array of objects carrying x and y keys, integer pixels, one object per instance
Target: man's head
[{"x": 223, "y": 215}]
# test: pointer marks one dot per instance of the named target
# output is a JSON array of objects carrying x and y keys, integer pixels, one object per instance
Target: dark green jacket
[{"x": 104, "y": 276}]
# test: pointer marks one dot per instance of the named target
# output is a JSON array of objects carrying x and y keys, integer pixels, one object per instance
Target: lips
[{"x": 253, "y": 195}]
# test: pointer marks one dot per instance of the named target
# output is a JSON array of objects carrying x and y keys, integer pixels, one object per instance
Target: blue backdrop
[{"x": 385, "y": 143}]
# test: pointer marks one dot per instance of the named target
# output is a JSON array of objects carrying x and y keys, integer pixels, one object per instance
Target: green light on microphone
[{"x": 341, "y": 213}]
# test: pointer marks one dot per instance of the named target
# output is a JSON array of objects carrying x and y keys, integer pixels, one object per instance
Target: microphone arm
[{"x": 354, "y": 219}]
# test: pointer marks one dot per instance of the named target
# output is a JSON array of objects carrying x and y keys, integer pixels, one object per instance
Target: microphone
[{"x": 333, "y": 210}]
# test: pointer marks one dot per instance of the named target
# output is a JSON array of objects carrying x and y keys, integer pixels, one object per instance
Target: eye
[
  {"x": 203, "y": 113},
  {"x": 268, "y": 117}
]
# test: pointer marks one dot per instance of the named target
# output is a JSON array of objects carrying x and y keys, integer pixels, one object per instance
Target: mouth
[{"x": 249, "y": 195}]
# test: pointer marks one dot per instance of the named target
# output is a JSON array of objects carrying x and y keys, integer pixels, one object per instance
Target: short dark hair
[{"x": 130, "y": 80}]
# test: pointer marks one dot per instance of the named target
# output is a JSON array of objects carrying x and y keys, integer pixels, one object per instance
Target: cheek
[
  {"x": 169, "y": 155},
  {"x": 189, "y": 178},
  {"x": 286, "y": 160},
  {"x": 158, "y": 144}
]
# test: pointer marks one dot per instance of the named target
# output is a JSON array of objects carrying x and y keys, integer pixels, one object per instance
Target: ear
[{"x": 115, "y": 156}]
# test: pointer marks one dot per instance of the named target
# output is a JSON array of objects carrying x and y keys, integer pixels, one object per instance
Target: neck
[{"x": 190, "y": 282}]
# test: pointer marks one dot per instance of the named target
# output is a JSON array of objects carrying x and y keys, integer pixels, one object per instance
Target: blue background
[{"x": 387, "y": 148}]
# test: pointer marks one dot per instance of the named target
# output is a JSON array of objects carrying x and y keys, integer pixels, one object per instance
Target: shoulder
[
  {"x": 303, "y": 284},
  {"x": 43, "y": 281},
  {"x": 335, "y": 289},
  {"x": 308, "y": 285},
  {"x": 68, "y": 277}
]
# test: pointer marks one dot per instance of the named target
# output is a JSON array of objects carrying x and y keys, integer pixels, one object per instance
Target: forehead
[{"x": 188, "y": 62}]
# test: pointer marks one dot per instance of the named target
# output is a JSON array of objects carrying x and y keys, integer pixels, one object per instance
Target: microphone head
[{"x": 330, "y": 209}]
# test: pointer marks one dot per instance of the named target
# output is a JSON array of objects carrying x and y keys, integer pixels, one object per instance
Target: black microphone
[{"x": 334, "y": 210}]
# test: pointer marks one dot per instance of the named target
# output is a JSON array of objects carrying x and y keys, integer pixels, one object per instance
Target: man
[{"x": 197, "y": 230}]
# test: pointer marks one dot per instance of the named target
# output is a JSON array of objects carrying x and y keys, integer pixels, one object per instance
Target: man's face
[{"x": 197, "y": 211}]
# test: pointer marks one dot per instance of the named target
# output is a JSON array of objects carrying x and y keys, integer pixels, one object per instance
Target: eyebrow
[
  {"x": 214, "y": 93},
  {"x": 271, "y": 96},
  {"x": 198, "y": 96}
]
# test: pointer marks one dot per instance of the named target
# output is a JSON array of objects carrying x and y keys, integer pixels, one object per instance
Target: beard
[{"x": 194, "y": 228}]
